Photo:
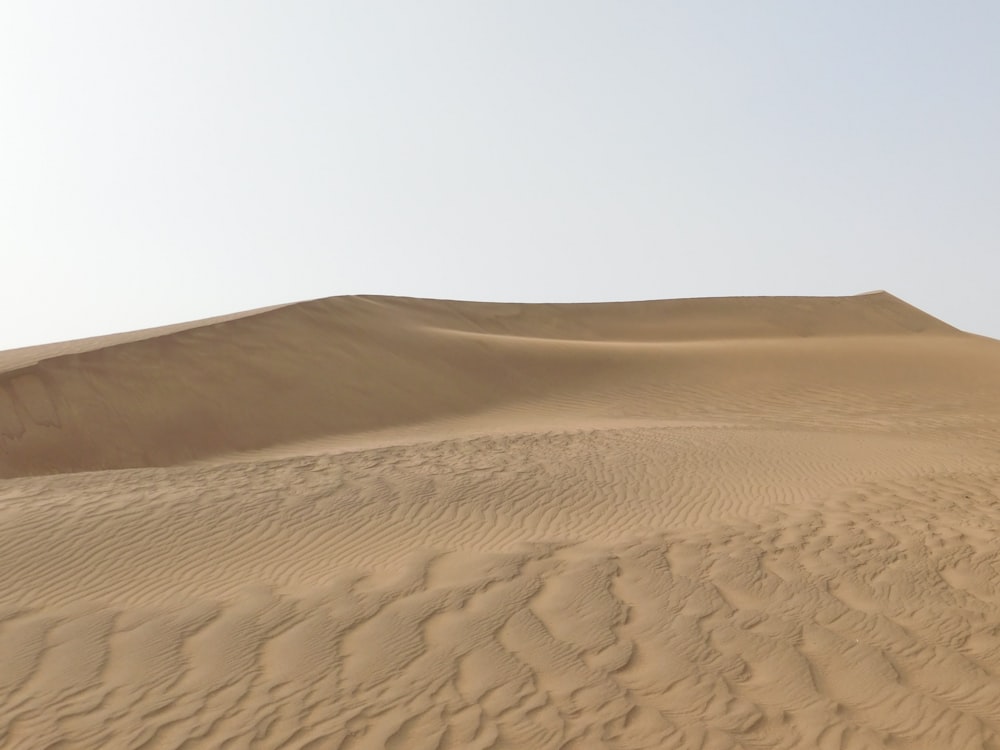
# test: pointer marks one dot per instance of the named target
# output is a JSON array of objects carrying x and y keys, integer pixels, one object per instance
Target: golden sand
[{"x": 371, "y": 522}]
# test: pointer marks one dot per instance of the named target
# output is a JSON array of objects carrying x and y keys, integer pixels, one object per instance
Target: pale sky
[{"x": 165, "y": 161}]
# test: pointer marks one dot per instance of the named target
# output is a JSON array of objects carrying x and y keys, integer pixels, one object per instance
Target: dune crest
[
  {"x": 347, "y": 365},
  {"x": 374, "y": 522}
]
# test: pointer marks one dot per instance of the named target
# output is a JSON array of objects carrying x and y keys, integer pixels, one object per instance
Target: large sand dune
[{"x": 369, "y": 522}]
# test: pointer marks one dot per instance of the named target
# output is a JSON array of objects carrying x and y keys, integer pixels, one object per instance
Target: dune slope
[{"x": 370, "y": 522}]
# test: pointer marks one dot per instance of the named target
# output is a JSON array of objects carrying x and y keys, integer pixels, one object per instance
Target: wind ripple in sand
[{"x": 855, "y": 617}]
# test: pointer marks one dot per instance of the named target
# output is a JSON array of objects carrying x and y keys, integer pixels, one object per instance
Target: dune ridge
[
  {"x": 341, "y": 366},
  {"x": 373, "y": 522}
]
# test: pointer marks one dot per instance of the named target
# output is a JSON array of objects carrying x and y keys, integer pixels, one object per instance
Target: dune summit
[{"x": 375, "y": 522}]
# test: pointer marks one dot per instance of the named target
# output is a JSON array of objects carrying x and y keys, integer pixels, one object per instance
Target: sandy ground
[{"x": 370, "y": 522}]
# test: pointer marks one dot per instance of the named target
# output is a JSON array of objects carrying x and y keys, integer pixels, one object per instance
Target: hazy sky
[{"x": 163, "y": 161}]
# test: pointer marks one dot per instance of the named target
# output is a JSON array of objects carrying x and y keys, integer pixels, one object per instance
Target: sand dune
[{"x": 370, "y": 522}]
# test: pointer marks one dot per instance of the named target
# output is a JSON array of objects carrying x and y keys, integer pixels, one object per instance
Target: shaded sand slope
[
  {"x": 388, "y": 523},
  {"x": 338, "y": 367}
]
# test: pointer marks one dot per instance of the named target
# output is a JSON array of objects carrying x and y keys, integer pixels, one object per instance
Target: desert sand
[{"x": 373, "y": 522}]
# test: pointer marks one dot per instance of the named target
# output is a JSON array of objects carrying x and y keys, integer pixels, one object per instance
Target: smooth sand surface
[{"x": 372, "y": 522}]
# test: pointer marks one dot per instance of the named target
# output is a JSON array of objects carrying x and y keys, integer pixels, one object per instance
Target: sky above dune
[{"x": 168, "y": 161}]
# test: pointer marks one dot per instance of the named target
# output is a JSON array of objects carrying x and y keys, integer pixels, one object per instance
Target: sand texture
[{"x": 372, "y": 522}]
